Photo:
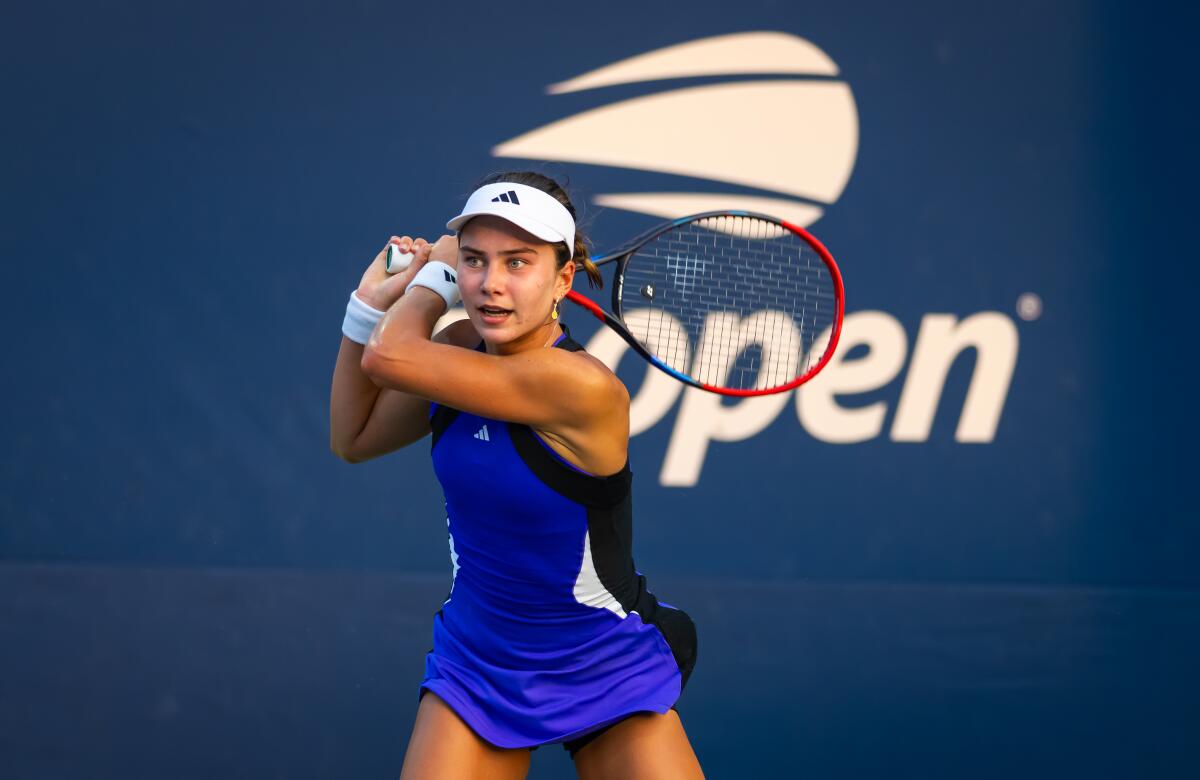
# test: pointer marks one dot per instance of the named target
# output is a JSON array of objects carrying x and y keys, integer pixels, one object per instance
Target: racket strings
[{"x": 735, "y": 302}]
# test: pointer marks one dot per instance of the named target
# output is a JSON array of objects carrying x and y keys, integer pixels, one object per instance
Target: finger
[
  {"x": 397, "y": 260},
  {"x": 404, "y": 242},
  {"x": 421, "y": 249}
]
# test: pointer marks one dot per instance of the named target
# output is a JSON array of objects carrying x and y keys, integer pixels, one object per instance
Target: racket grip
[{"x": 397, "y": 261}]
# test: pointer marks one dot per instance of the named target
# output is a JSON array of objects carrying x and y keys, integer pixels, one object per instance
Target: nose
[{"x": 493, "y": 279}]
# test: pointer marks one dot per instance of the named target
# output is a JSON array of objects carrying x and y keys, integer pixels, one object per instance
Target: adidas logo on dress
[
  {"x": 507, "y": 197},
  {"x": 483, "y": 434}
]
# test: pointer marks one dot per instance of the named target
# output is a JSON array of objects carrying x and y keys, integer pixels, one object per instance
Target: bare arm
[
  {"x": 550, "y": 389},
  {"x": 351, "y": 400},
  {"x": 365, "y": 420}
]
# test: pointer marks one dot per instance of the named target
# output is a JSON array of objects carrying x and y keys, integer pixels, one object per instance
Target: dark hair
[{"x": 555, "y": 190}]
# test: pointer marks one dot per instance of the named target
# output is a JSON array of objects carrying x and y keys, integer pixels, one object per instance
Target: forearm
[
  {"x": 351, "y": 398},
  {"x": 403, "y": 338}
]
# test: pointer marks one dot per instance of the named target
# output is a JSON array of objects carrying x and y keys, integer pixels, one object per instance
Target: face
[{"x": 509, "y": 282}]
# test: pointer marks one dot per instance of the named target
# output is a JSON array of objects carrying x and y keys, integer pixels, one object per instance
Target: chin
[{"x": 496, "y": 334}]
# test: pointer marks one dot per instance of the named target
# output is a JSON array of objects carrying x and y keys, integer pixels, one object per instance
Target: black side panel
[
  {"x": 579, "y": 487},
  {"x": 611, "y": 535},
  {"x": 442, "y": 417},
  {"x": 680, "y": 632},
  {"x": 610, "y": 532}
]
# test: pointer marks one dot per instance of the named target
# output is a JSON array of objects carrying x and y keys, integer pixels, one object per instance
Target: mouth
[{"x": 493, "y": 315}]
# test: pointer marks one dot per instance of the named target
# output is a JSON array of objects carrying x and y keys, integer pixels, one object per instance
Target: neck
[{"x": 540, "y": 338}]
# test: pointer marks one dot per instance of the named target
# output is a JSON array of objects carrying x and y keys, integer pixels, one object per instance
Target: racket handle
[{"x": 397, "y": 261}]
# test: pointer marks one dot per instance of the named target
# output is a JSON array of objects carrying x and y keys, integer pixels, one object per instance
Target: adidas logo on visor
[{"x": 507, "y": 197}]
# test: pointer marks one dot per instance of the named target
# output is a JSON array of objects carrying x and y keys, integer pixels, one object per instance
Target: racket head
[{"x": 733, "y": 302}]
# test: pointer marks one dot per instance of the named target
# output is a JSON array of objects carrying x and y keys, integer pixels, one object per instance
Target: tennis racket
[
  {"x": 732, "y": 302},
  {"x": 760, "y": 299}
]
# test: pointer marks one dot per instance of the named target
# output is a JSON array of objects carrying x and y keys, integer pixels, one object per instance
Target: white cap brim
[{"x": 529, "y": 208}]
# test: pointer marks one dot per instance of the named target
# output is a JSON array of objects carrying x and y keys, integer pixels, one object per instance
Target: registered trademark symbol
[{"x": 1029, "y": 306}]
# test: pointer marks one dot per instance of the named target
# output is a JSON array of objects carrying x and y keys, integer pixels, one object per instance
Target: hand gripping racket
[
  {"x": 396, "y": 261},
  {"x": 732, "y": 302}
]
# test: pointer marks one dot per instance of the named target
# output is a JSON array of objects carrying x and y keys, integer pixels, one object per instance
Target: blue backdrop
[{"x": 192, "y": 585}]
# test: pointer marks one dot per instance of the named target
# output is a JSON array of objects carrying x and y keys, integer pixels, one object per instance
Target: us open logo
[{"x": 795, "y": 134}]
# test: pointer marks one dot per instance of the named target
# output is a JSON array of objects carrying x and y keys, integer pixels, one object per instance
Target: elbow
[
  {"x": 344, "y": 452},
  {"x": 343, "y": 443}
]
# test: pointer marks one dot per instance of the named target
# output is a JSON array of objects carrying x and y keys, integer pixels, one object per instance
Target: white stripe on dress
[
  {"x": 588, "y": 588},
  {"x": 453, "y": 562}
]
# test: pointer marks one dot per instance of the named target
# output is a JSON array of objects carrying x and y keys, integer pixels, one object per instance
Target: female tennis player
[{"x": 549, "y": 634}]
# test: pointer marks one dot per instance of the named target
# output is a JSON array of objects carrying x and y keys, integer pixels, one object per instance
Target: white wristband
[
  {"x": 360, "y": 319},
  {"x": 440, "y": 278}
]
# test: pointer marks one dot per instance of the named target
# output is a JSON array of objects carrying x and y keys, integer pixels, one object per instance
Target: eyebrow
[{"x": 531, "y": 250}]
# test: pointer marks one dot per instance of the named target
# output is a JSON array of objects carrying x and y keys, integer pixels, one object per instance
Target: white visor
[{"x": 524, "y": 206}]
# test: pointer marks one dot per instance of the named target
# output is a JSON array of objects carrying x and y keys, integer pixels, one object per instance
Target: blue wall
[{"x": 191, "y": 191}]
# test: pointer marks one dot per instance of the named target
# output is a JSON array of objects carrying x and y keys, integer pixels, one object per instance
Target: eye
[
  {"x": 516, "y": 262},
  {"x": 474, "y": 261}
]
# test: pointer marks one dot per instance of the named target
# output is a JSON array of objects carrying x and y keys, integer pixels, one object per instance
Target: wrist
[
  {"x": 428, "y": 299},
  {"x": 361, "y": 318},
  {"x": 373, "y": 299},
  {"x": 439, "y": 278}
]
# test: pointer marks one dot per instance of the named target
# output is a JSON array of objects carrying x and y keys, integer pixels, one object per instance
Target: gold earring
[{"x": 554, "y": 313}]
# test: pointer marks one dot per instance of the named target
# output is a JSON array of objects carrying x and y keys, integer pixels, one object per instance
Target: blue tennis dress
[{"x": 549, "y": 632}]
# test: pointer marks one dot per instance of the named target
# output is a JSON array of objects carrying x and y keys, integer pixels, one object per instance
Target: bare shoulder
[
  {"x": 595, "y": 435},
  {"x": 599, "y": 377}
]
